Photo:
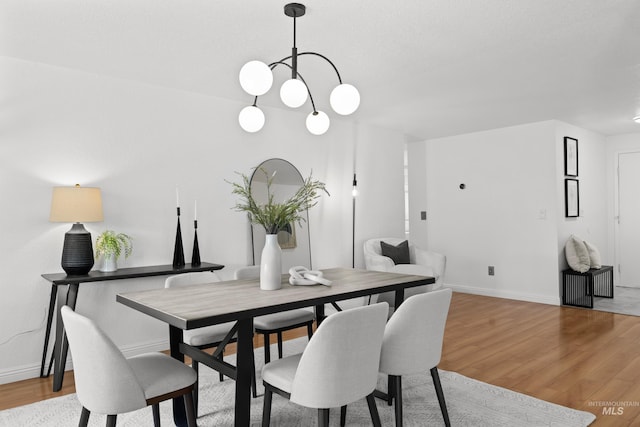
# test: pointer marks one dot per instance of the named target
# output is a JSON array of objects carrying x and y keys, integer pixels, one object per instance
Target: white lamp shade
[
  {"x": 251, "y": 119},
  {"x": 345, "y": 99},
  {"x": 256, "y": 78},
  {"x": 76, "y": 204},
  {"x": 293, "y": 93},
  {"x": 318, "y": 123}
]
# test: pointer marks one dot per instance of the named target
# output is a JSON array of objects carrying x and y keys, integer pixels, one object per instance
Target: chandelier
[{"x": 256, "y": 79}]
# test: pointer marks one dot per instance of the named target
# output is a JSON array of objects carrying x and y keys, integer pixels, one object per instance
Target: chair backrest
[
  {"x": 340, "y": 363},
  {"x": 195, "y": 278},
  {"x": 414, "y": 334},
  {"x": 372, "y": 247},
  {"x": 105, "y": 383},
  {"x": 249, "y": 272}
]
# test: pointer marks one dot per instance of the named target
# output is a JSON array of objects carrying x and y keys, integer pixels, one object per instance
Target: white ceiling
[{"x": 428, "y": 68}]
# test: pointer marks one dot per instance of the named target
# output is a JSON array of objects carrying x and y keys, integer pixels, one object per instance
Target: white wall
[
  {"x": 137, "y": 142},
  {"x": 380, "y": 200},
  {"x": 416, "y": 153},
  {"x": 511, "y": 213}
]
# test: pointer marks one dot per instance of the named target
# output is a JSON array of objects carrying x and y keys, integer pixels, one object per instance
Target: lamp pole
[{"x": 354, "y": 193}]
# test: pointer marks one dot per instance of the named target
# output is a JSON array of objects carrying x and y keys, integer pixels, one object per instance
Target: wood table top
[{"x": 207, "y": 304}]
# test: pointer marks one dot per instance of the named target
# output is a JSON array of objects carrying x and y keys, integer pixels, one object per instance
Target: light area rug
[{"x": 470, "y": 403}]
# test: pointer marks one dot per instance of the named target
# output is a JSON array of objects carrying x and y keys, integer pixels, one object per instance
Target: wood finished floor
[{"x": 570, "y": 356}]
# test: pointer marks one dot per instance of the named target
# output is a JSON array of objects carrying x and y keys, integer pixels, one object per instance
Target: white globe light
[
  {"x": 251, "y": 119},
  {"x": 318, "y": 123},
  {"x": 256, "y": 78},
  {"x": 345, "y": 99},
  {"x": 293, "y": 93}
]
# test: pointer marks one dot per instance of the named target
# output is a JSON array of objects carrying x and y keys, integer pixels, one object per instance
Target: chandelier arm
[
  {"x": 310, "y": 53},
  {"x": 326, "y": 59}
]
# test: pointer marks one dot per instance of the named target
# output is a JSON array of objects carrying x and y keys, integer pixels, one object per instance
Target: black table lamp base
[{"x": 77, "y": 252}]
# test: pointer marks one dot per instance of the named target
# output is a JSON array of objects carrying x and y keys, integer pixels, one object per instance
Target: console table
[{"x": 59, "y": 280}]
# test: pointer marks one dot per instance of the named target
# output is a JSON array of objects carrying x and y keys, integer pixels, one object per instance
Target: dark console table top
[{"x": 128, "y": 273}]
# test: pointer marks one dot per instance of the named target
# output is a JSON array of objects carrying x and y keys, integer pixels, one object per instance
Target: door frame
[{"x": 616, "y": 214}]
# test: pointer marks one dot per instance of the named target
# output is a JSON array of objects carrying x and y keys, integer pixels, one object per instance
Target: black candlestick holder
[
  {"x": 178, "y": 250},
  {"x": 195, "y": 255}
]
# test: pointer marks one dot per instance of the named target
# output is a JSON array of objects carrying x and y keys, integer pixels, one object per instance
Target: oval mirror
[{"x": 295, "y": 244}]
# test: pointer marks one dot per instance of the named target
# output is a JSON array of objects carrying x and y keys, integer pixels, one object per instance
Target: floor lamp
[{"x": 354, "y": 194}]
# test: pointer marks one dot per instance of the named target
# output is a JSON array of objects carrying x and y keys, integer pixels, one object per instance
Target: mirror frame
[{"x": 304, "y": 224}]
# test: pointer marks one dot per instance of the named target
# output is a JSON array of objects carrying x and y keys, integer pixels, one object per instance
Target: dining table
[{"x": 240, "y": 301}]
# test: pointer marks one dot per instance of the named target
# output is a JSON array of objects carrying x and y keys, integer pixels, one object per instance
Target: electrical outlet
[
  {"x": 492, "y": 270},
  {"x": 423, "y": 215}
]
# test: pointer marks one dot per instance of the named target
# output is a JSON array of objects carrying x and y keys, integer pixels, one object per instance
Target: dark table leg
[
  {"x": 62, "y": 345},
  {"x": 52, "y": 309},
  {"x": 244, "y": 367},
  {"x": 399, "y": 298},
  {"x": 319, "y": 314},
  {"x": 175, "y": 338}
]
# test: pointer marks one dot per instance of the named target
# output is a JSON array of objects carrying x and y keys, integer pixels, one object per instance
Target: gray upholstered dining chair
[
  {"x": 208, "y": 336},
  {"x": 412, "y": 344},
  {"x": 277, "y": 322},
  {"x": 108, "y": 383},
  {"x": 338, "y": 366}
]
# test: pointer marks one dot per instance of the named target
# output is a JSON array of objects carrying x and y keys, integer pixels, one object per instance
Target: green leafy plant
[
  {"x": 110, "y": 243},
  {"x": 275, "y": 216}
]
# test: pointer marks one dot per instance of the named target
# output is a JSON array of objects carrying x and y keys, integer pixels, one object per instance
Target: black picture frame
[
  {"x": 570, "y": 156},
  {"x": 571, "y": 198}
]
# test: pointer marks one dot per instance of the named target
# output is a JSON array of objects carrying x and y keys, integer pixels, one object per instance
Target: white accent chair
[
  {"x": 276, "y": 323},
  {"x": 208, "y": 336},
  {"x": 412, "y": 344},
  {"x": 338, "y": 366},
  {"x": 423, "y": 263},
  {"x": 108, "y": 383}
]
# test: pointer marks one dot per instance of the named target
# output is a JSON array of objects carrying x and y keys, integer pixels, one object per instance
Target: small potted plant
[{"x": 110, "y": 246}]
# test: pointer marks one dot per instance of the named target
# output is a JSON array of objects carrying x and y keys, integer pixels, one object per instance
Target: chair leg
[
  {"x": 111, "y": 420},
  {"x": 373, "y": 410},
  {"x": 84, "y": 417},
  {"x": 279, "y": 345},
  {"x": 398, "y": 396},
  {"x": 194, "y": 365},
  {"x": 189, "y": 407},
  {"x": 155, "y": 408},
  {"x": 254, "y": 389},
  {"x": 390, "y": 390},
  {"x": 266, "y": 407},
  {"x": 443, "y": 405},
  {"x": 323, "y": 417},
  {"x": 267, "y": 349},
  {"x": 220, "y": 374},
  {"x": 343, "y": 416}
]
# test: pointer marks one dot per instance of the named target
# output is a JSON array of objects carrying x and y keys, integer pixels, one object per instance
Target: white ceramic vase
[
  {"x": 271, "y": 264},
  {"x": 109, "y": 263}
]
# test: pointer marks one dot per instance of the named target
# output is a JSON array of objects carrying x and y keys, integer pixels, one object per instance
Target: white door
[{"x": 629, "y": 219}]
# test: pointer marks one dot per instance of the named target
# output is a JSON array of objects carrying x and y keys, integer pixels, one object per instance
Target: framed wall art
[
  {"x": 571, "y": 198},
  {"x": 570, "y": 156}
]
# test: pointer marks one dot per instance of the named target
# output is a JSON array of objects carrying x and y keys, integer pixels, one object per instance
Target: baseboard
[
  {"x": 501, "y": 293},
  {"x": 26, "y": 372}
]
